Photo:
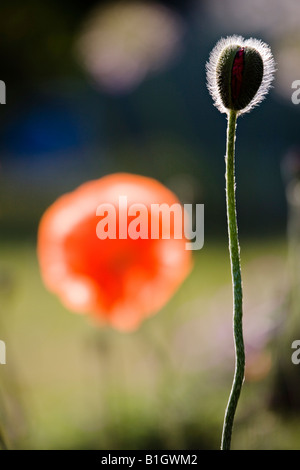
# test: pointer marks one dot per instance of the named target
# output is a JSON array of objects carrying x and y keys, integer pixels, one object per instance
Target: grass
[{"x": 70, "y": 385}]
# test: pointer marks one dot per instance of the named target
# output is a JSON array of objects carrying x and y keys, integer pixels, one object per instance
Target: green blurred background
[{"x": 94, "y": 88}]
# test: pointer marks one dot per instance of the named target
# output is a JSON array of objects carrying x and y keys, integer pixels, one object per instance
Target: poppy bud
[{"x": 239, "y": 73}]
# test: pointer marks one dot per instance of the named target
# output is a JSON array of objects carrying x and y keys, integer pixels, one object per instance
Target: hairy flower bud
[{"x": 239, "y": 73}]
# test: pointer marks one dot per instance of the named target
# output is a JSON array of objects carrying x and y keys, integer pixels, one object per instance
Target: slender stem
[{"x": 234, "y": 251}]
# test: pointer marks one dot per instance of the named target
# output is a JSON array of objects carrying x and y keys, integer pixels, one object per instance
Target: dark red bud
[{"x": 239, "y": 76}]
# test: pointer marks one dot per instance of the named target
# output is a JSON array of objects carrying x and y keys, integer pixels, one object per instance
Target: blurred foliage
[
  {"x": 59, "y": 130},
  {"x": 69, "y": 385}
]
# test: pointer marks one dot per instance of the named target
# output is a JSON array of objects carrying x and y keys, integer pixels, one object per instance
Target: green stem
[{"x": 234, "y": 251}]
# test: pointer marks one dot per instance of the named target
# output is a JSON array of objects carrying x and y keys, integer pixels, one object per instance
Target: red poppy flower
[{"x": 118, "y": 280}]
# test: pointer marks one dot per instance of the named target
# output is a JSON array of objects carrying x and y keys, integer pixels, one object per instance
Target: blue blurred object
[
  {"x": 51, "y": 142},
  {"x": 46, "y": 128}
]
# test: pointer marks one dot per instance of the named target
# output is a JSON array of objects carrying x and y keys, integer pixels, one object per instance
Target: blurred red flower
[{"x": 118, "y": 281}]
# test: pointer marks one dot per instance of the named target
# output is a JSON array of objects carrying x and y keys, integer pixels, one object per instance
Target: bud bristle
[{"x": 239, "y": 73}]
